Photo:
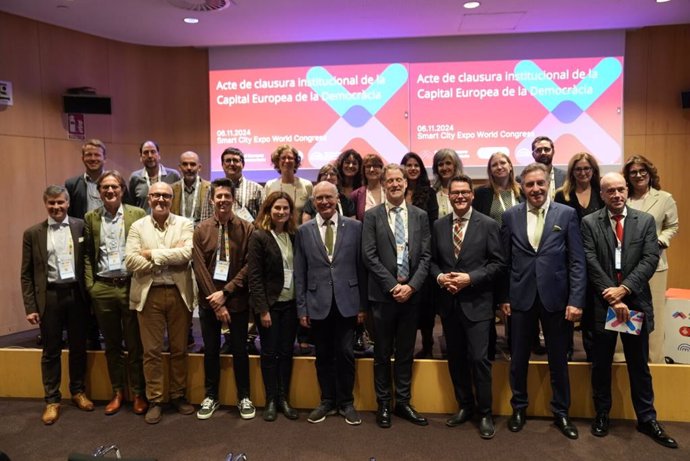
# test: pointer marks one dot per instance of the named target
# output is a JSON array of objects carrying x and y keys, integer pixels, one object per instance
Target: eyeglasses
[
  {"x": 545, "y": 150},
  {"x": 110, "y": 186},
  {"x": 232, "y": 160},
  {"x": 464, "y": 193},
  {"x": 582, "y": 169},
  {"x": 159, "y": 195},
  {"x": 372, "y": 167},
  {"x": 641, "y": 173},
  {"x": 329, "y": 174}
]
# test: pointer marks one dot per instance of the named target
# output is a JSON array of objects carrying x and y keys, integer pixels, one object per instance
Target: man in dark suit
[
  {"x": 543, "y": 151},
  {"x": 153, "y": 172},
  {"x": 396, "y": 250},
  {"x": 53, "y": 290},
  {"x": 82, "y": 189},
  {"x": 466, "y": 260},
  {"x": 622, "y": 253},
  {"x": 546, "y": 282},
  {"x": 331, "y": 299}
]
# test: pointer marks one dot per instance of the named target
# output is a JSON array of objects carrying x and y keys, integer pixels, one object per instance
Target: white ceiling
[{"x": 159, "y": 22}]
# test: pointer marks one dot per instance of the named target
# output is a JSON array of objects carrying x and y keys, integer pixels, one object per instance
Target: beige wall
[{"x": 162, "y": 94}]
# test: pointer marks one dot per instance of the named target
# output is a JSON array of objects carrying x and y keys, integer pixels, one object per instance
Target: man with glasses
[
  {"x": 248, "y": 194},
  {"x": 158, "y": 251},
  {"x": 153, "y": 172},
  {"x": 396, "y": 249},
  {"x": 467, "y": 260},
  {"x": 543, "y": 151}
]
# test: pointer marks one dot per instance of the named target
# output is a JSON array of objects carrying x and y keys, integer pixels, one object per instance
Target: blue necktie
[{"x": 400, "y": 240}]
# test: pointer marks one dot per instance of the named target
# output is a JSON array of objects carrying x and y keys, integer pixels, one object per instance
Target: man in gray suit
[
  {"x": 622, "y": 254},
  {"x": 331, "y": 299},
  {"x": 396, "y": 250}
]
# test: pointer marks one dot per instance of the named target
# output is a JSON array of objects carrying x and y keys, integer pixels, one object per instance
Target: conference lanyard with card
[
  {"x": 64, "y": 254},
  {"x": 283, "y": 241},
  {"x": 240, "y": 210},
  {"x": 618, "y": 255},
  {"x": 400, "y": 249},
  {"x": 112, "y": 244},
  {"x": 222, "y": 265},
  {"x": 148, "y": 179},
  {"x": 195, "y": 196}
]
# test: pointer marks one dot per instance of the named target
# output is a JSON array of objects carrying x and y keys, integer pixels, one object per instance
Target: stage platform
[{"x": 431, "y": 388}]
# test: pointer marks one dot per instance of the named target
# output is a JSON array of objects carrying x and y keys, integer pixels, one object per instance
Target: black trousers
[
  {"x": 335, "y": 357},
  {"x": 65, "y": 308},
  {"x": 210, "y": 331},
  {"x": 636, "y": 349},
  {"x": 556, "y": 329},
  {"x": 467, "y": 346},
  {"x": 396, "y": 330},
  {"x": 277, "y": 342}
]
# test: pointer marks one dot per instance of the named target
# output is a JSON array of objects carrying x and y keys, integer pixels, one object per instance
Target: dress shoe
[
  {"x": 82, "y": 402},
  {"x": 600, "y": 425},
  {"x": 461, "y": 417},
  {"x": 486, "y": 427},
  {"x": 566, "y": 426},
  {"x": 270, "y": 411},
  {"x": 51, "y": 413},
  {"x": 423, "y": 354},
  {"x": 383, "y": 415},
  {"x": 657, "y": 433},
  {"x": 517, "y": 420},
  {"x": 154, "y": 414},
  {"x": 140, "y": 405},
  {"x": 182, "y": 406},
  {"x": 405, "y": 411},
  {"x": 115, "y": 404},
  {"x": 286, "y": 409}
]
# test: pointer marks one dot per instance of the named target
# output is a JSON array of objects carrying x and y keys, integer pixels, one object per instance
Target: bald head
[
  {"x": 326, "y": 199},
  {"x": 614, "y": 192},
  {"x": 160, "y": 200},
  {"x": 190, "y": 166}
]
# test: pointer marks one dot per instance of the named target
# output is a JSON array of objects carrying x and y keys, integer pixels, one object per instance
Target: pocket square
[{"x": 557, "y": 228}]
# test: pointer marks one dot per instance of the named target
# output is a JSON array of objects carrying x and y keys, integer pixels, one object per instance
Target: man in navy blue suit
[{"x": 547, "y": 280}]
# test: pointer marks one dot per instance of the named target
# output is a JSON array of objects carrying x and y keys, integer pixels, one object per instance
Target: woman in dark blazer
[
  {"x": 272, "y": 298},
  {"x": 502, "y": 192}
]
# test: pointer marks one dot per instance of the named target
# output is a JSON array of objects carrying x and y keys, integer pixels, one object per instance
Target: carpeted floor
[{"x": 24, "y": 438}]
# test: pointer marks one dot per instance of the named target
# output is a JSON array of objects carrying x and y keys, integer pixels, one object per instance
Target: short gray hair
[{"x": 53, "y": 191}]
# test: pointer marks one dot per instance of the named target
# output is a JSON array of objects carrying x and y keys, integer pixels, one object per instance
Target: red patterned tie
[{"x": 619, "y": 235}]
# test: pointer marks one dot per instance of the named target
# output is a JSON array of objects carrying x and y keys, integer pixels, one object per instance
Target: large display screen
[{"x": 476, "y": 108}]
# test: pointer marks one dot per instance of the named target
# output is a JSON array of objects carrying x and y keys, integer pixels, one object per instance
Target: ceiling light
[
  {"x": 471, "y": 5},
  {"x": 662, "y": 1},
  {"x": 191, "y": 20}
]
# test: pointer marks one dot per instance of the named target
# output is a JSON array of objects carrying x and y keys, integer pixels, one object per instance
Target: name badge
[
  {"x": 222, "y": 270},
  {"x": 617, "y": 258},
  {"x": 287, "y": 279},
  {"x": 66, "y": 267},
  {"x": 113, "y": 256},
  {"x": 243, "y": 213},
  {"x": 400, "y": 249}
]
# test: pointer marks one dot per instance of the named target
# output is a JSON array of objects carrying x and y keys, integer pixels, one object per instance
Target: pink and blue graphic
[{"x": 632, "y": 326}]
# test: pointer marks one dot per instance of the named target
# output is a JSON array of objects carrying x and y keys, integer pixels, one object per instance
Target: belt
[
  {"x": 114, "y": 281},
  {"x": 62, "y": 286}
]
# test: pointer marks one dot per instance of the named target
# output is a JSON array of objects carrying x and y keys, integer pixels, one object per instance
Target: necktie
[
  {"x": 457, "y": 236},
  {"x": 538, "y": 227},
  {"x": 401, "y": 242},
  {"x": 619, "y": 227},
  {"x": 329, "y": 236}
]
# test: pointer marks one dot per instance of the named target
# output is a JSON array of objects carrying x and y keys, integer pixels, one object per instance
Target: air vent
[{"x": 201, "y": 5}]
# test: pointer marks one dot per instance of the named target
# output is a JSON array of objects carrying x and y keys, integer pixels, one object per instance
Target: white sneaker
[
  {"x": 208, "y": 406},
  {"x": 246, "y": 407}
]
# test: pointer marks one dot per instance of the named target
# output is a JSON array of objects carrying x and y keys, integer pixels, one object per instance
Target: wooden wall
[
  {"x": 157, "y": 93},
  {"x": 162, "y": 94}
]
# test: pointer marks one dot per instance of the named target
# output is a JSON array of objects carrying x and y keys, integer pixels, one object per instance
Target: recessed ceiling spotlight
[
  {"x": 662, "y": 1},
  {"x": 191, "y": 20},
  {"x": 471, "y": 5}
]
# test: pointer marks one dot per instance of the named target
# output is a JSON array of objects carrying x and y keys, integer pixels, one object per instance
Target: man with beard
[
  {"x": 153, "y": 172},
  {"x": 191, "y": 197}
]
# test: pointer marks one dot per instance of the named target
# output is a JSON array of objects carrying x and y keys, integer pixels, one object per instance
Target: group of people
[{"x": 368, "y": 243}]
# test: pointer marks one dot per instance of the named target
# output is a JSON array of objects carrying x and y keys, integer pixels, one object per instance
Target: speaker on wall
[
  {"x": 86, "y": 104},
  {"x": 685, "y": 99}
]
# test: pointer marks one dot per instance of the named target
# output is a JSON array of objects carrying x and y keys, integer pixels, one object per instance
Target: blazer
[
  {"x": 662, "y": 207},
  {"x": 92, "y": 238},
  {"x": 380, "y": 256},
  {"x": 34, "y": 274},
  {"x": 484, "y": 196},
  {"x": 481, "y": 257},
  {"x": 139, "y": 188},
  {"x": 203, "y": 199},
  {"x": 265, "y": 270},
  {"x": 142, "y": 234},
  {"x": 319, "y": 281},
  {"x": 639, "y": 260},
  {"x": 556, "y": 271},
  {"x": 76, "y": 187},
  {"x": 359, "y": 198}
]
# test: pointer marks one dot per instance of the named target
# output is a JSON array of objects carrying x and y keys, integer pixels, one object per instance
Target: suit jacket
[
  {"x": 202, "y": 200},
  {"x": 380, "y": 256},
  {"x": 359, "y": 198},
  {"x": 662, "y": 207},
  {"x": 318, "y": 281},
  {"x": 556, "y": 271},
  {"x": 34, "y": 275},
  {"x": 481, "y": 257},
  {"x": 139, "y": 188},
  {"x": 92, "y": 238},
  {"x": 265, "y": 270},
  {"x": 639, "y": 260},
  {"x": 76, "y": 187},
  {"x": 142, "y": 235}
]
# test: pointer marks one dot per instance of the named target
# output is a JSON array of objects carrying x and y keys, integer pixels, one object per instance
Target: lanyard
[
  {"x": 197, "y": 192},
  {"x": 221, "y": 231},
  {"x": 146, "y": 175},
  {"x": 503, "y": 205},
  {"x": 68, "y": 243},
  {"x": 120, "y": 232},
  {"x": 283, "y": 241}
]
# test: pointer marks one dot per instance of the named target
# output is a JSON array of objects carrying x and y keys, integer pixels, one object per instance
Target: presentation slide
[{"x": 476, "y": 108}]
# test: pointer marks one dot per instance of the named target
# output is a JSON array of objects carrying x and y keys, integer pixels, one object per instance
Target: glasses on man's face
[
  {"x": 160, "y": 195},
  {"x": 641, "y": 173},
  {"x": 110, "y": 186},
  {"x": 236, "y": 160},
  {"x": 582, "y": 169},
  {"x": 464, "y": 193},
  {"x": 544, "y": 150}
]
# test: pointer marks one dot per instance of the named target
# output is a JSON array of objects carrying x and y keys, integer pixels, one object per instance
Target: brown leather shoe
[
  {"x": 82, "y": 402},
  {"x": 139, "y": 405},
  {"x": 115, "y": 404},
  {"x": 51, "y": 413}
]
